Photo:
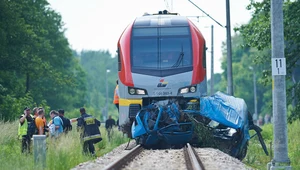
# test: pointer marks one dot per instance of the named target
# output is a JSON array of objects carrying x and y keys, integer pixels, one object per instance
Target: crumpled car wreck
[{"x": 219, "y": 121}]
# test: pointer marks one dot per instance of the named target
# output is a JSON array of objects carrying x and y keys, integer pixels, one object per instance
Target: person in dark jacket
[
  {"x": 67, "y": 124},
  {"x": 90, "y": 133},
  {"x": 109, "y": 123}
]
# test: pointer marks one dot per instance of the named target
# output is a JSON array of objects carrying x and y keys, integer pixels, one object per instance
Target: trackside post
[
  {"x": 39, "y": 150},
  {"x": 280, "y": 159}
]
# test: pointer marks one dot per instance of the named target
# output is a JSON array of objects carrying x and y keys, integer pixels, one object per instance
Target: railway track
[
  {"x": 192, "y": 159},
  {"x": 123, "y": 161}
]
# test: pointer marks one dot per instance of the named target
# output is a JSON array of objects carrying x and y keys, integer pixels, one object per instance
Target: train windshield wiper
[{"x": 179, "y": 60}]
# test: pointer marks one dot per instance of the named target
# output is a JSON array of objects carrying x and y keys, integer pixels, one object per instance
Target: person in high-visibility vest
[
  {"x": 116, "y": 96},
  {"x": 25, "y": 120},
  {"x": 116, "y": 100}
]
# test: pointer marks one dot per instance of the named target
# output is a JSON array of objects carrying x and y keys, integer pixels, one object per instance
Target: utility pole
[
  {"x": 106, "y": 102},
  {"x": 255, "y": 94},
  {"x": 293, "y": 91},
  {"x": 280, "y": 159},
  {"x": 255, "y": 115},
  {"x": 229, "y": 55},
  {"x": 212, "y": 62}
]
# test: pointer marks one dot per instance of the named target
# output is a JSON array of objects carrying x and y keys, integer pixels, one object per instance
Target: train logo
[{"x": 162, "y": 83}]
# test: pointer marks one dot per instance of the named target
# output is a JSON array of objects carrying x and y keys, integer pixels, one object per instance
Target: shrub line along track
[
  {"x": 192, "y": 159},
  {"x": 123, "y": 161}
]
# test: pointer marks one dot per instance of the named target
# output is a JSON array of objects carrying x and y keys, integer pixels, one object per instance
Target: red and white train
[{"x": 160, "y": 56}]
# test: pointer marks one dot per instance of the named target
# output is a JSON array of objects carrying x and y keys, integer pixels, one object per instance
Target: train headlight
[
  {"x": 136, "y": 91},
  {"x": 132, "y": 91},
  {"x": 189, "y": 89},
  {"x": 184, "y": 90},
  {"x": 140, "y": 91},
  {"x": 193, "y": 89}
]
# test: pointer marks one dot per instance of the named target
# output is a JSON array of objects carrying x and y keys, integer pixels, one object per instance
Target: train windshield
[{"x": 161, "y": 49}]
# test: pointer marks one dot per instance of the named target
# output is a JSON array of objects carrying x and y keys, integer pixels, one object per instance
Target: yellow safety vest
[
  {"x": 116, "y": 95},
  {"x": 23, "y": 128}
]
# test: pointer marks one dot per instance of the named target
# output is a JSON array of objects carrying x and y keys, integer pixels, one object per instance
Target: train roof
[{"x": 161, "y": 20}]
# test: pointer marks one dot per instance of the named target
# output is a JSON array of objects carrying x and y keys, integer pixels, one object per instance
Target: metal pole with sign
[{"x": 280, "y": 159}]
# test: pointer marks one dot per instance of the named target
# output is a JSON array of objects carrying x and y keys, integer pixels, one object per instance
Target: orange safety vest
[{"x": 116, "y": 96}]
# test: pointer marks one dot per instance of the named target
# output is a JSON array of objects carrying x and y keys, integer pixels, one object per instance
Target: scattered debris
[{"x": 219, "y": 121}]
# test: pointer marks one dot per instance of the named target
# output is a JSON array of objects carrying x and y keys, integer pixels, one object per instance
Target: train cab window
[
  {"x": 143, "y": 32},
  {"x": 161, "y": 50},
  {"x": 171, "y": 31},
  {"x": 145, "y": 53},
  {"x": 175, "y": 52}
]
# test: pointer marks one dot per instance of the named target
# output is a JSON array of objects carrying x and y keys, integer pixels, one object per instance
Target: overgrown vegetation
[
  {"x": 256, "y": 157},
  {"x": 62, "y": 154},
  {"x": 251, "y": 47}
]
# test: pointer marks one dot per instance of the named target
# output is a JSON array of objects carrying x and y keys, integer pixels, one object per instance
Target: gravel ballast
[
  {"x": 158, "y": 159},
  {"x": 169, "y": 159},
  {"x": 216, "y": 159},
  {"x": 106, "y": 159}
]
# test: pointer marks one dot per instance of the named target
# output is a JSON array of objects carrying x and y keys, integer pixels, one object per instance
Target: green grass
[
  {"x": 257, "y": 159},
  {"x": 66, "y": 153},
  {"x": 62, "y": 154}
]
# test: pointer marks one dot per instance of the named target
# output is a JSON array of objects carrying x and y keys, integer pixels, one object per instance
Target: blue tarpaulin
[{"x": 225, "y": 109}]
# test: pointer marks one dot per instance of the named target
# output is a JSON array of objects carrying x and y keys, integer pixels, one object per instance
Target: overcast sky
[{"x": 97, "y": 24}]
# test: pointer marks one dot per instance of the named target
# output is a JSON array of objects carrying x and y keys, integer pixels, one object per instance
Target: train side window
[{"x": 119, "y": 59}]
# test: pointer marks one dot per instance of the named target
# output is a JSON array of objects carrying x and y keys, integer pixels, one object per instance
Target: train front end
[{"x": 161, "y": 57}]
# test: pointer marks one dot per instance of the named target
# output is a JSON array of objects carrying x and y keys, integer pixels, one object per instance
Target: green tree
[
  {"x": 36, "y": 61},
  {"x": 257, "y": 34},
  {"x": 242, "y": 60},
  {"x": 95, "y": 64}
]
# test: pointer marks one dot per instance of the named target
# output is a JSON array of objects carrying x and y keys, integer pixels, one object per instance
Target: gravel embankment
[
  {"x": 158, "y": 159},
  {"x": 214, "y": 159}
]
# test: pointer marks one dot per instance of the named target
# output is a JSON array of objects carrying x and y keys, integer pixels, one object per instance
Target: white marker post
[{"x": 39, "y": 152}]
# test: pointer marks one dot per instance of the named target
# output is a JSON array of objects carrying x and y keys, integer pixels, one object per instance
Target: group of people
[{"x": 36, "y": 124}]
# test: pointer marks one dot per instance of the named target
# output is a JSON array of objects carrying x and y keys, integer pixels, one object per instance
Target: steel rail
[
  {"x": 192, "y": 159},
  {"x": 123, "y": 161}
]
